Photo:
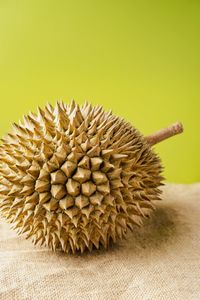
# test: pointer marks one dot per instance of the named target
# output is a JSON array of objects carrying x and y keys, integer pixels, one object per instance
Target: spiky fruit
[{"x": 76, "y": 177}]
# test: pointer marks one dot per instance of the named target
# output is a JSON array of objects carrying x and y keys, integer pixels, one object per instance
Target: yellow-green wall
[{"x": 140, "y": 58}]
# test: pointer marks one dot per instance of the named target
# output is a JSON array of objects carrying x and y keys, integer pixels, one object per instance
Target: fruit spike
[{"x": 77, "y": 177}]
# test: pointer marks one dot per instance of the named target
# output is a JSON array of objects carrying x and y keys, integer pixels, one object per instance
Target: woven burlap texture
[{"x": 159, "y": 261}]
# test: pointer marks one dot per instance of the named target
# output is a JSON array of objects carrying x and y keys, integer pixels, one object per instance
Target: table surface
[{"x": 161, "y": 260}]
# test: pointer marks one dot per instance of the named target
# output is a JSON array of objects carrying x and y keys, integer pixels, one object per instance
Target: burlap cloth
[{"x": 159, "y": 261}]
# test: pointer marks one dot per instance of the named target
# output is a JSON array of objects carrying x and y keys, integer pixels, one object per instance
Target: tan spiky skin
[{"x": 76, "y": 177}]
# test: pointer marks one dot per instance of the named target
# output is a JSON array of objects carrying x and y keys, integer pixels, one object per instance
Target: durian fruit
[{"x": 76, "y": 177}]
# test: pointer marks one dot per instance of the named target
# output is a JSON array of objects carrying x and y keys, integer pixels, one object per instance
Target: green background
[{"x": 140, "y": 58}]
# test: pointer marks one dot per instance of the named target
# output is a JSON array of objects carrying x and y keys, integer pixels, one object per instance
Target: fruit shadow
[{"x": 162, "y": 228}]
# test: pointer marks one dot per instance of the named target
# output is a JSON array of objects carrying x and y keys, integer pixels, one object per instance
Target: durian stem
[{"x": 164, "y": 133}]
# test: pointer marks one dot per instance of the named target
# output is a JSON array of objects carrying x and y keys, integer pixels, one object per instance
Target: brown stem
[{"x": 164, "y": 133}]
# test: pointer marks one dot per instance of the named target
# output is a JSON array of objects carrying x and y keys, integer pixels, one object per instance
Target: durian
[{"x": 76, "y": 177}]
